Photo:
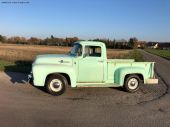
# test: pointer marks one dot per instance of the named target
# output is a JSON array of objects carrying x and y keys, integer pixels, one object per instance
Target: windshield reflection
[{"x": 76, "y": 50}]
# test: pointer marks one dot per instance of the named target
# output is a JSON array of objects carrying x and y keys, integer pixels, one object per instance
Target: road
[{"x": 22, "y": 104}]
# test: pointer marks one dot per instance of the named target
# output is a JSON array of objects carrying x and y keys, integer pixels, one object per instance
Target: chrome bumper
[{"x": 152, "y": 81}]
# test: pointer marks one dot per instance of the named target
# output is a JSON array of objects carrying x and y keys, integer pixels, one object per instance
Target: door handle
[{"x": 62, "y": 61}]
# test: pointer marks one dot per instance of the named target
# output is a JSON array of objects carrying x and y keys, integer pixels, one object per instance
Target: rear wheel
[
  {"x": 132, "y": 83},
  {"x": 55, "y": 84}
]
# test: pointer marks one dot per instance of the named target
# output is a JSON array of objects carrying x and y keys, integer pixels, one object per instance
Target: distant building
[
  {"x": 152, "y": 45},
  {"x": 141, "y": 44},
  {"x": 158, "y": 45}
]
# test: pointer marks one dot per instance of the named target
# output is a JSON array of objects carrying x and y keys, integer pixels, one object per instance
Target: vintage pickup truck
[{"x": 87, "y": 66}]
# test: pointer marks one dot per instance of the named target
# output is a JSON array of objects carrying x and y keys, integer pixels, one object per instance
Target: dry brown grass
[
  {"x": 13, "y": 52},
  {"x": 116, "y": 53}
]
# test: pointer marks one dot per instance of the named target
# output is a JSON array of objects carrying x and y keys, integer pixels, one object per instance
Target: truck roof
[{"x": 90, "y": 42}]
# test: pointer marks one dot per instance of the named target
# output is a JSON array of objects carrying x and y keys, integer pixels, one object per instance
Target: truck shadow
[
  {"x": 19, "y": 66},
  {"x": 18, "y": 71},
  {"x": 16, "y": 77}
]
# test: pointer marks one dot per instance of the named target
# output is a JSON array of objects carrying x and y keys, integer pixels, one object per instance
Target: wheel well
[
  {"x": 139, "y": 75},
  {"x": 63, "y": 74}
]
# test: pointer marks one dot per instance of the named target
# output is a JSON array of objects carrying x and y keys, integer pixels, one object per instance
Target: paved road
[
  {"x": 21, "y": 104},
  {"x": 162, "y": 65}
]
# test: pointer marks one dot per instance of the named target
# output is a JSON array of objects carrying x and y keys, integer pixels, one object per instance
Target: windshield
[{"x": 76, "y": 50}]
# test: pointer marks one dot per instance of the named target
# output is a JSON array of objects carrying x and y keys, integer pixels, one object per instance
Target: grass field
[
  {"x": 162, "y": 53},
  {"x": 12, "y": 52},
  {"x": 18, "y": 58}
]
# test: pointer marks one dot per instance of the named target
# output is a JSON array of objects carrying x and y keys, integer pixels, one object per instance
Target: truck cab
[
  {"x": 87, "y": 66},
  {"x": 90, "y": 62}
]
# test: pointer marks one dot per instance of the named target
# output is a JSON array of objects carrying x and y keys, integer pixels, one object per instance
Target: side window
[
  {"x": 93, "y": 51},
  {"x": 79, "y": 51}
]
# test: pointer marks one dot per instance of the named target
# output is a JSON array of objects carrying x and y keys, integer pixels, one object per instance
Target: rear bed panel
[{"x": 128, "y": 66}]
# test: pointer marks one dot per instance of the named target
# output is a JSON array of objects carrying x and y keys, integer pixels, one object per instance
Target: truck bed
[
  {"x": 116, "y": 65},
  {"x": 120, "y": 60}
]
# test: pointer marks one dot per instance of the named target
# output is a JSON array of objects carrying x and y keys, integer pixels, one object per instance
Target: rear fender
[{"x": 121, "y": 73}]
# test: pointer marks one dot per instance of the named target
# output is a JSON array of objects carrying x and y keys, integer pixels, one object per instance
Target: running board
[{"x": 97, "y": 85}]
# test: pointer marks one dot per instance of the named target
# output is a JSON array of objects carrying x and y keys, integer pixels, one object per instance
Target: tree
[
  {"x": 14, "y": 40},
  {"x": 52, "y": 37},
  {"x": 132, "y": 42},
  {"x": 17, "y": 40},
  {"x": 114, "y": 44},
  {"x": 34, "y": 40},
  {"x": 23, "y": 40},
  {"x": 2, "y": 38}
]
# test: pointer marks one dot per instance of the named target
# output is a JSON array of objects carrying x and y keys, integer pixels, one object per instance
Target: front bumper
[{"x": 152, "y": 81}]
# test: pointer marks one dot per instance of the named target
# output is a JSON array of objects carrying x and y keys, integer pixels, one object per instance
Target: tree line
[
  {"x": 37, "y": 41},
  {"x": 116, "y": 44},
  {"x": 119, "y": 44}
]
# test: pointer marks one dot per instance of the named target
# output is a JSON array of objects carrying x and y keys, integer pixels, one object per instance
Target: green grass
[
  {"x": 135, "y": 54},
  {"x": 3, "y": 64},
  {"x": 162, "y": 53}
]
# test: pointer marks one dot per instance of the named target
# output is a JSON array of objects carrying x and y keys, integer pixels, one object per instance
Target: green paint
[{"x": 87, "y": 65}]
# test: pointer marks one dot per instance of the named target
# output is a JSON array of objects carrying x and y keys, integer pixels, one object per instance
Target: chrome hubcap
[
  {"x": 56, "y": 85},
  {"x": 133, "y": 83}
]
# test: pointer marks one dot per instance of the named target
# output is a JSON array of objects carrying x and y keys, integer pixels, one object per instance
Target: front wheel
[
  {"x": 55, "y": 84},
  {"x": 132, "y": 83}
]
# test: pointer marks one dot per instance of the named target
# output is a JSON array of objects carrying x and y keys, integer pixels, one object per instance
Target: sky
[{"x": 148, "y": 20}]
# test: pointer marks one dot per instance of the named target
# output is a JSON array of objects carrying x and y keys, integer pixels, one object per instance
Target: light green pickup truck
[{"x": 87, "y": 66}]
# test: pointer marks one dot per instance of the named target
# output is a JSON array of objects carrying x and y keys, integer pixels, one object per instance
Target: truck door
[{"x": 91, "y": 66}]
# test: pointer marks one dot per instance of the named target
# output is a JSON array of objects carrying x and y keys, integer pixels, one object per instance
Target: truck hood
[{"x": 54, "y": 59}]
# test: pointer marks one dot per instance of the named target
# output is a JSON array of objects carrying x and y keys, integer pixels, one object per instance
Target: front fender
[
  {"x": 41, "y": 71},
  {"x": 122, "y": 72}
]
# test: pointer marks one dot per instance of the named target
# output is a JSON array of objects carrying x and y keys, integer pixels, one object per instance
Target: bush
[{"x": 135, "y": 54}]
